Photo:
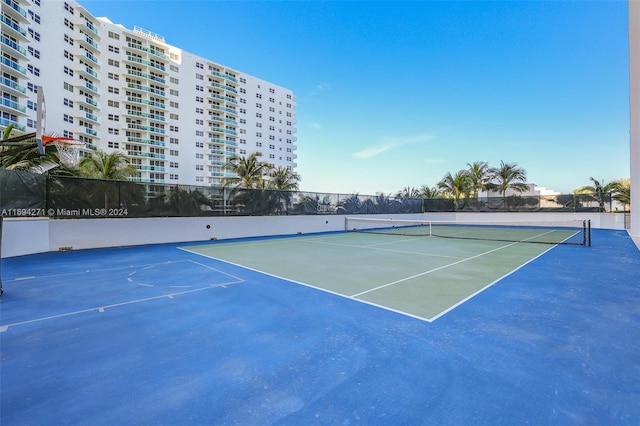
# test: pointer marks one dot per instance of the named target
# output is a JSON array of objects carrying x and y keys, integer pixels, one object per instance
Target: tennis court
[{"x": 335, "y": 328}]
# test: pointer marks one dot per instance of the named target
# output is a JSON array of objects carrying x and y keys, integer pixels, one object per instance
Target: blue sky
[{"x": 397, "y": 94}]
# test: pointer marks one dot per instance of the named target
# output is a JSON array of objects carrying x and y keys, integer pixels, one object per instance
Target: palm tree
[
  {"x": 599, "y": 189},
  {"x": 508, "y": 176},
  {"x": 105, "y": 165},
  {"x": 408, "y": 192},
  {"x": 457, "y": 186},
  {"x": 249, "y": 171},
  {"x": 622, "y": 192},
  {"x": 21, "y": 153},
  {"x": 281, "y": 185},
  {"x": 429, "y": 192},
  {"x": 480, "y": 175}
]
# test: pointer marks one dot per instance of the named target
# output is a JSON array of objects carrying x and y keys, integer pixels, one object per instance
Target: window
[
  {"x": 68, "y": 55},
  {"x": 114, "y": 90},
  {"x": 173, "y": 164},
  {"x": 68, "y": 71},
  {"x": 68, "y": 103},
  {"x": 68, "y": 119},
  {"x": 113, "y": 63},
  {"x": 115, "y": 145},
  {"x": 199, "y": 167},
  {"x": 114, "y": 36},
  {"x": 113, "y": 76},
  {"x": 173, "y": 92},
  {"x": 34, "y": 52},
  {"x": 199, "y": 144},
  {"x": 114, "y": 49},
  {"x": 68, "y": 87},
  {"x": 114, "y": 131},
  {"x": 199, "y": 156},
  {"x": 114, "y": 104},
  {"x": 114, "y": 117}
]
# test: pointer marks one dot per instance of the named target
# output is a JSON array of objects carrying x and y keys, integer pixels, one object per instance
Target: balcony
[
  {"x": 145, "y": 154},
  {"x": 13, "y": 105},
  {"x": 88, "y": 43},
  {"x": 145, "y": 102},
  {"x": 90, "y": 27},
  {"x": 91, "y": 87},
  {"x": 146, "y": 89},
  {"x": 88, "y": 72},
  {"x": 12, "y": 65},
  {"x": 13, "y": 28},
  {"x": 15, "y": 10},
  {"x": 11, "y": 86},
  {"x": 145, "y": 141},
  {"x": 91, "y": 57},
  {"x": 6, "y": 122},
  {"x": 87, "y": 100},
  {"x": 146, "y": 115}
]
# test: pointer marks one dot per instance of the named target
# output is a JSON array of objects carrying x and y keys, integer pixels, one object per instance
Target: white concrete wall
[
  {"x": 27, "y": 236},
  {"x": 634, "y": 117}
]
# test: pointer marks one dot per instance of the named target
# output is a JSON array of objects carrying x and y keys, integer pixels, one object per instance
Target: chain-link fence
[{"x": 27, "y": 194}]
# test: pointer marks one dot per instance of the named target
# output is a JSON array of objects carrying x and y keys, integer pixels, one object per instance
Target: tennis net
[{"x": 573, "y": 232}]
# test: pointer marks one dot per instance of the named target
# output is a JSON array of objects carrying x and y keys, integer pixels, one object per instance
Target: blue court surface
[{"x": 160, "y": 335}]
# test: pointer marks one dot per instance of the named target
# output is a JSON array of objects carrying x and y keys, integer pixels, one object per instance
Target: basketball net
[{"x": 68, "y": 149}]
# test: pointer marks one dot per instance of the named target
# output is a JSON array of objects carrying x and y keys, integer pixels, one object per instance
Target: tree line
[{"x": 480, "y": 176}]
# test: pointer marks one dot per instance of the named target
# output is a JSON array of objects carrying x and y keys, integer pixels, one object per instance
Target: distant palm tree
[
  {"x": 622, "y": 192},
  {"x": 249, "y": 171},
  {"x": 408, "y": 192},
  {"x": 283, "y": 179},
  {"x": 429, "y": 192},
  {"x": 508, "y": 176},
  {"x": 105, "y": 165},
  {"x": 599, "y": 190},
  {"x": 457, "y": 186},
  {"x": 282, "y": 183},
  {"x": 480, "y": 175}
]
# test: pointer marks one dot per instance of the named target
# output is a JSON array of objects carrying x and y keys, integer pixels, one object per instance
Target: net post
[{"x": 589, "y": 231}]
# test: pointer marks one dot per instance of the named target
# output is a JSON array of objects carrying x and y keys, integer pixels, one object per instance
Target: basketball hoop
[{"x": 68, "y": 149}]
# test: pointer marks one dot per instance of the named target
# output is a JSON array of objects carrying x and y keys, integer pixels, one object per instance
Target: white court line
[
  {"x": 233, "y": 280},
  {"x": 101, "y": 309},
  {"x": 433, "y": 270}
]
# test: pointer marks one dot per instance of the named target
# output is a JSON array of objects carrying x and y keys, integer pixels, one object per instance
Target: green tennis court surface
[{"x": 423, "y": 277}]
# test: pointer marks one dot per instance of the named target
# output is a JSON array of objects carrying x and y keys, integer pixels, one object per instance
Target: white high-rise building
[{"x": 178, "y": 116}]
